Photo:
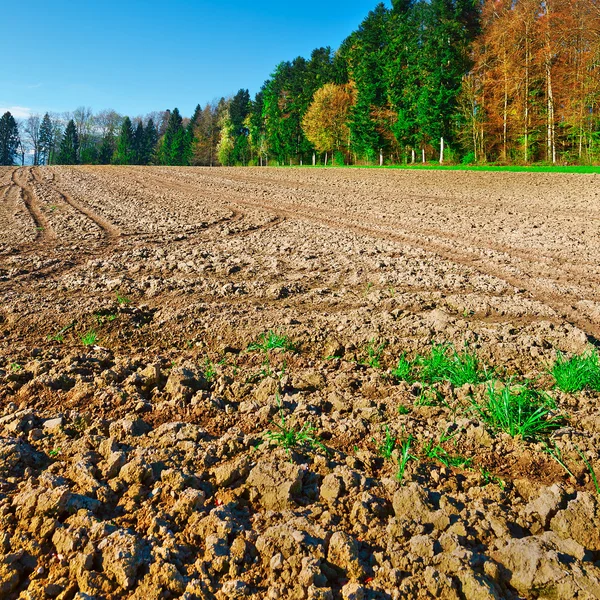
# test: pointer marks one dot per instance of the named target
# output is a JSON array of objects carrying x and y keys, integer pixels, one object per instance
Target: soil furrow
[{"x": 45, "y": 233}]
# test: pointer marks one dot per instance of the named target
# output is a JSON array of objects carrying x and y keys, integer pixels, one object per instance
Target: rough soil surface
[{"x": 139, "y": 466}]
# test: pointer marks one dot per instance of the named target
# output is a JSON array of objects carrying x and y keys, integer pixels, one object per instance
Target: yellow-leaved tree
[{"x": 325, "y": 123}]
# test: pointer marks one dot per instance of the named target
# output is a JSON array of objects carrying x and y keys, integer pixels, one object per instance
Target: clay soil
[{"x": 138, "y": 456}]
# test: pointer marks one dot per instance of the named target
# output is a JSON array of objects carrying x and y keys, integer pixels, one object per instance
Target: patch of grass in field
[
  {"x": 289, "y": 436},
  {"x": 519, "y": 410},
  {"x": 581, "y": 371},
  {"x": 443, "y": 363},
  {"x": 386, "y": 448},
  {"x": 273, "y": 341},
  {"x": 373, "y": 351},
  {"x": 404, "y": 458},
  {"x": 89, "y": 338}
]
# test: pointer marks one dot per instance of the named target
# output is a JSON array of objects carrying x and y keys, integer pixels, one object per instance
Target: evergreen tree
[
  {"x": 106, "y": 150},
  {"x": 45, "y": 140},
  {"x": 124, "y": 154},
  {"x": 190, "y": 133},
  {"x": 69, "y": 146},
  {"x": 9, "y": 140},
  {"x": 150, "y": 142},
  {"x": 172, "y": 147},
  {"x": 139, "y": 139}
]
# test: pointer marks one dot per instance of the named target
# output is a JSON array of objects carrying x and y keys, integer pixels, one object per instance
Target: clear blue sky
[{"x": 139, "y": 56}]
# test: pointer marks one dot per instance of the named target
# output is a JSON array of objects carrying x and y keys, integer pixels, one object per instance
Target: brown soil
[{"x": 139, "y": 466}]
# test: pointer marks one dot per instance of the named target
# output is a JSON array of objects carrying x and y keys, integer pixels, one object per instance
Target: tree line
[{"x": 472, "y": 81}]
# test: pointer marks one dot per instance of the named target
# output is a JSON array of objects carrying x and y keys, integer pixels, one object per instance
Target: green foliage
[
  {"x": 489, "y": 477},
  {"x": 125, "y": 152},
  {"x": 172, "y": 150},
  {"x": 59, "y": 336},
  {"x": 289, "y": 437},
  {"x": 68, "y": 153},
  {"x": 581, "y": 371},
  {"x": 590, "y": 469},
  {"x": 46, "y": 140},
  {"x": 404, "y": 370},
  {"x": 443, "y": 363},
  {"x": 9, "y": 140},
  {"x": 122, "y": 299},
  {"x": 273, "y": 341},
  {"x": 518, "y": 410},
  {"x": 89, "y": 338},
  {"x": 404, "y": 457},
  {"x": 436, "y": 451},
  {"x": 210, "y": 372},
  {"x": 373, "y": 353},
  {"x": 386, "y": 448}
]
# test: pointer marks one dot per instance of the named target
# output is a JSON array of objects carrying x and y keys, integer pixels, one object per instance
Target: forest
[{"x": 448, "y": 81}]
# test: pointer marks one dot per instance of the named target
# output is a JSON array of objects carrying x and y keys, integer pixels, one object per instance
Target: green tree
[
  {"x": 69, "y": 146},
  {"x": 139, "y": 137},
  {"x": 150, "y": 142},
  {"x": 106, "y": 150},
  {"x": 45, "y": 140},
  {"x": 172, "y": 147},
  {"x": 124, "y": 153},
  {"x": 9, "y": 140}
]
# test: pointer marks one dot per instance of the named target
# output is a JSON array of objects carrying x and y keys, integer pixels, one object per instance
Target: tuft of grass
[
  {"x": 518, "y": 410},
  {"x": 122, "y": 299},
  {"x": 89, "y": 338},
  {"x": 210, "y": 372},
  {"x": 404, "y": 457},
  {"x": 374, "y": 351},
  {"x": 552, "y": 450},
  {"x": 15, "y": 367},
  {"x": 404, "y": 370},
  {"x": 581, "y": 371},
  {"x": 403, "y": 410},
  {"x": 589, "y": 467},
  {"x": 388, "y": 445},
  {"x": 273, "y": 341},
  {"x": 436, "y": 451},
  {"x": 444, "y": 363},
  {"x": 430, "y": 396},
  {"x": 289, "y": 437},
  {"x": 60, "y": 335},
  {"x": 489, "y": 477}
]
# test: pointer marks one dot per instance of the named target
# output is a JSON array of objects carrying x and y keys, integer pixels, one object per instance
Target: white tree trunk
[
  {"x": 423, "y": 155},
  {"x": 441, "y": 151},
  {"x": 381, "y": 157},
  {"x": 314, "y": 159}
]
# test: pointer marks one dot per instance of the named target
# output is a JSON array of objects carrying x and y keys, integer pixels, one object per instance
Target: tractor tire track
[
  {"x": 109, "y": 230},
  {"x": 45, "y": 233}
]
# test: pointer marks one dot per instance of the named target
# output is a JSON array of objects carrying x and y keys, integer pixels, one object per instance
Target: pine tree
[
  {"x": 124, "y": 152},
  {"x": 150, "y": 142},
  {"x": 172, "y": 147},
  {"x": 45, "y": 140},
  {"x": 139, "y": 138},
  {"x": 9, "y": 140},
  {"x": 190, "y": 134},
  {"x": 69, "y": 146},
  {"x": 106, "y": 150}
]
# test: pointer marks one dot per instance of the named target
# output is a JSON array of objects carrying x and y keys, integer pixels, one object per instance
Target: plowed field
[{"x": 222, "y": 383}]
